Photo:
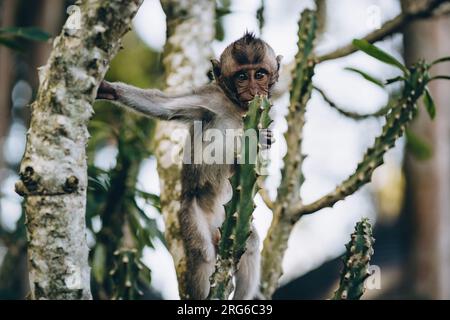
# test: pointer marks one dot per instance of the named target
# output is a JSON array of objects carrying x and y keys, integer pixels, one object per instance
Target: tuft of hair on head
[
  {"x": 248, "y": 49},
  {"x": 248, "y": 37}
]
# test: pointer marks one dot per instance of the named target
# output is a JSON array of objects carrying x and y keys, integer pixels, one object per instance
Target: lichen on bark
[{"x": 53, "y": 172}]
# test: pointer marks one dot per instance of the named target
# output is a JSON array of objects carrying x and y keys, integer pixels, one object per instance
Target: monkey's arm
[{"x": 155, "y": 103}]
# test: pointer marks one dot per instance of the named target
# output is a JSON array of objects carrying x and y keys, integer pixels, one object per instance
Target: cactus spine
[{"x": 128, "y": 275}]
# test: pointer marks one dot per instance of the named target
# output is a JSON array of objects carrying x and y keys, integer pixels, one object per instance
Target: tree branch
[
  {"x": 401, "y": 115},
  {"x": 265, "y": 197},
  {"x": 349, "y": 114},
  {"x": 53, "y": 171},
  {"x": 388, "y": 28}
]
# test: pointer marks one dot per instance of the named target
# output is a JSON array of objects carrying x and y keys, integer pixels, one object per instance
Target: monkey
[{"x": 246, "y": 68}]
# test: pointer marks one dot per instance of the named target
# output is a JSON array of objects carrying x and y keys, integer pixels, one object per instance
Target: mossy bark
[{"x": 53, "y": 172}]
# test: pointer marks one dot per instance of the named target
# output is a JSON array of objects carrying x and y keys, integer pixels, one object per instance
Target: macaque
[{"x": 247, "y": 67}]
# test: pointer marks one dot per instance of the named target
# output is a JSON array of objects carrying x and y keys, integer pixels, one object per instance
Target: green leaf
[
  {"x": 445, "y": 59},
  {"x": 366, "y": 76},
  {"x": 417, "y": 146},
  {"x": 429, "y": 104},
  {"x": 440, "y": 78},
  {"x": 378, "y": 54},
  {"x": 222, "y": 11},
  {"x": 11, "y": 43},
  {"x": 150, "y": 198},
  {"x": 260, "y": 15},
  {"x": 30, "y": 33}
]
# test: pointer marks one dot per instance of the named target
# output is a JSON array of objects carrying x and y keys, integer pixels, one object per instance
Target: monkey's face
[
  {"x": 251, "y": 80},
  {"x": 247, "y": 67}
]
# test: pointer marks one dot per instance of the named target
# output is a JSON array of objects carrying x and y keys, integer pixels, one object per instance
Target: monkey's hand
[
  {"x": 266, "y": 138},
  {"x": 216, "y": 238},
  {"x": 106, "y": 91}
]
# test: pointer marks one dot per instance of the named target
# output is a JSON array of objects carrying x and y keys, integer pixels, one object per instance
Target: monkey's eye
[
  {"x": 242, "y": 76},
  {"x": 260, "y": 74}
]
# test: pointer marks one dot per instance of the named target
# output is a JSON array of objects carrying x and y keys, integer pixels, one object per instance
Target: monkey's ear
[
  {"x": 279, "y": 57},
  {"x": 216, "y": 68}
]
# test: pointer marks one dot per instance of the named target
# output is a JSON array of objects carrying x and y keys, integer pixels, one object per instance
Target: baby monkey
[{"x": 247, "y": 67}]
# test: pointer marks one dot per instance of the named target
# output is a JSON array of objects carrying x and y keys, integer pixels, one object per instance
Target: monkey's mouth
[
  {"x": 245, "y": 104},
  {"x": 247, "y": 99}
]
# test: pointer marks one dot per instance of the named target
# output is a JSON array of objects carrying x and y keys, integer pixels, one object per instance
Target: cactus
[
  {"x": 356, "y": 263},
  {"x": 300, "y": 93},
  {"x": 403, "y": 111},
  {"x": 238, "y": 212},
  {"x": 292, "y": 178},
  {"x": 289, "y": 207},
  {"x": 128, "y": 274},
  {"x": 256, "y": 119}
]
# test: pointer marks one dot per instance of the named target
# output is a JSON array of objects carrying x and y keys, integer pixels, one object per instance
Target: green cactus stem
[
  {"x": 128, "y": 275},
  {"x": 356, "y": 263},
  {"x": 238, "y": 212},
  {"x": 403, "y": 111},
  {"x": 275, "y": 243}
]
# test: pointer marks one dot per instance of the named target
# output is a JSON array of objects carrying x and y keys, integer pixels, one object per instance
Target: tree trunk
[
  {"x": 190, "y": 31},
  {"x": 53, "y": 171},
  {"x": 428, "y": 201}
]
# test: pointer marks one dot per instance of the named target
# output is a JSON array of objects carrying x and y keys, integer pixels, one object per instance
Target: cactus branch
[
  {"x": 349, "y": 114},
  {"x": 401, "y": 115},
  {"x": 356, "y": 263},
  {"x": 265, "y": 196},
  {"x": 440, "y": 78},
  {"x": 275, "y": 243}
]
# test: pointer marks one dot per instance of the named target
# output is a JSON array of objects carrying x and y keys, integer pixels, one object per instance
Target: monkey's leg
[
  {"x": 248, "y": 273},
  {"x": 200, "y": 250}
]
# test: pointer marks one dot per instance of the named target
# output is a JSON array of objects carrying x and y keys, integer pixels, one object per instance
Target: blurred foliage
[
  {"x": 260, "y": 15},
  {"x": 137, "y": 65},
  {"x": 13, "y": 37},
  {"x": 129, "y": 267},
  {"x": 417, "y": 146},
  {"x": 222, "y": 9}
]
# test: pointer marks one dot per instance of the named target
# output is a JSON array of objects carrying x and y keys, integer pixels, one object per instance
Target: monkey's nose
[{"x": 253, "y": 92}]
